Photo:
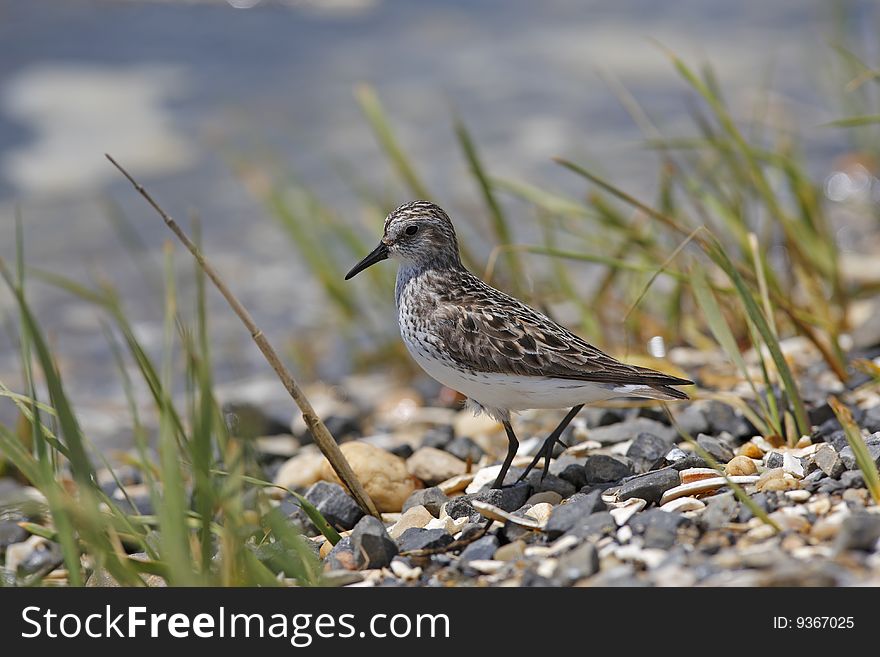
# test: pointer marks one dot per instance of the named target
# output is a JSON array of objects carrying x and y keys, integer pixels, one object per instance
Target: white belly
[{"x": 496, "y": 392}]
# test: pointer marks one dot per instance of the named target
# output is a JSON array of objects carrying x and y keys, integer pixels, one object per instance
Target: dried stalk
[{"x": 323, "y": 439}]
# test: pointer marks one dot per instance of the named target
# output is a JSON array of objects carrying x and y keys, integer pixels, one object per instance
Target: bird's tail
[{"x": 667, "y": 393}]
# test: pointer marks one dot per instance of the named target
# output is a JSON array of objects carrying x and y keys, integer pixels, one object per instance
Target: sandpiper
[{"x": 501, "y": 354}]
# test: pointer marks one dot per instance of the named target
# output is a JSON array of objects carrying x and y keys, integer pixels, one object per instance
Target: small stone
[
  {"x": 715, "y": 447},
  {"x": 511, "y": 551},
  {"x": 767, "y": 475},
  {"x": 464, "y": 448},
  {"x": 575, "y": 475},
  {"x": 697, "y": 474},
  {"x": 401, "y": 568},
  {"x": 438, "y": 437},
  {"x": 852, "y": 479},
  {"x": 341, "y": 557},
  {"x": 792, "y": 465},
  {"x": 403, "y": 450},
  {"x": 720, "y": 510},
  {"x": 849, "y": 458},
  {"x": 646, "y": 451},
  {"x": 11, "y": 533},
  {"x": 651, "y": 486},
  {"x": 601, "y": 468},
  {"x": 581, "y": 562},
  {"x": 482, "y": 549},
  {"x": 415, "y": 516},
  {"x": 838, "y": 440},
  {"x": 383, "y": 475},
  {"x": 689, "y": 462},
  {"x": 423, "y": 539},
  {"x": 431, "y": 498},
  {"x": 658, "y": 527},
  {"x": 456, "y": 484},
  {"x": 798, "y": 495},
  {"x": 626, "y": 510},
  {"x": 33, "y": 555},
  {"x": 507, "y": 499},
  {"x": 740, "y": 465},
  {"x": 433, "y": 466},
  {"x": 722, "y": 417},
  {"x": 629, "y": 429},
  {"x": 750, "y": 450},
  {"x": 566, "y": 516},
  {"x": 551, "y": 483},
  {"x": 595, "y": 526},
  {"x": 549, "y": 497},
  {"x": 780, "y": 484},
  {"x": 859, "y": 531},
  {"x": 337, "y": 506},
  {"x": 371, "y": 544},
  {"x": 692, "y": 420},
  {"x": 828, "y": 461}
]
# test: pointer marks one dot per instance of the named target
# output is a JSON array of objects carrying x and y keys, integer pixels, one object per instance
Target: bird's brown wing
[{"x": 506, "y": 336}]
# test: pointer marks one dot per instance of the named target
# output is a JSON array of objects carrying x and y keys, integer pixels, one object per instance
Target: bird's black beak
[{"x": 378, "y": 254}]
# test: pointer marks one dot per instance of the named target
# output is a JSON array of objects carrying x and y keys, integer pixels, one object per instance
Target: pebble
[
  {"x": 337, "y": 506},
  {"x": 626, "y": 510},
  {"x": 780, "y": 484},
  {"x": 431, "y": 498},
  {"x": 792, "y": 465},
  {"x": 549, "y": 497},
  {"x": 415, "y": 538},
  {"x": 828, "y": 461},
  {"x": 511, "y": 551},
  {"x": 798, "y": 495},
  {"x": 464, "y": 448},
  {"x": 341, "y": 557},
  {"x": 11, "y": 533},
  {"x": 596, "y": 526},
  {"x": 383, "y": 475},
  {"x": 456, "y": 484},
  {"x": 849, "y": 458},
  {"x": 574, "y": 474},
  {"x": 34, "y": 554},
  {"x": 484, "y": 477},
  {"x": 483, "y": 549},
  {"x": 541, "y": 483},
  {"x": 602, "y": 468},
  {"x": 720, "y": 510},
  {"x": 576, "y": 564},
  {"x": 506, "y": 499},
  {"x": 767, "y": 475},
  {"x": 646, "y": 451},
  {"x": 629, "y": 429},
  {"x": 859, "y": 531},
  {"x": 404, "y": 571},
  {"x": 740, "y": 465},
  {"x": 577, "y": 508},
  {"x": 651, "y": 486},
  {"x": 416, "y": 516},
  {"x": 717, "y": 449},
  {"x": 434, "y": 466},
  {"x": 371, "y": 544},
  {"x": 750, "y": 450}
]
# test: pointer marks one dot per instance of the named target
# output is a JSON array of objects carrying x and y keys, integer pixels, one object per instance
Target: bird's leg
[
  {"x": 512, "y": 446},
  {"x": 547, "y": 448}
]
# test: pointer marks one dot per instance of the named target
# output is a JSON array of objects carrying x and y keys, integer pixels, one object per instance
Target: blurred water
[{"x": 166, "y": 86}]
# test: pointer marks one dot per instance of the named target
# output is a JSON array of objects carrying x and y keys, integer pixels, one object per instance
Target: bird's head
[{"x": 417, "y": 233}]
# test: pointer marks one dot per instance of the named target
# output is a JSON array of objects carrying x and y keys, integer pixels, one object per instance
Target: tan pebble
[
  {"x": 825, "y": 529},
  {"x": 383, "y": 475},
  {"x": 819, "y": 506},
  {"x": 750, "y": 450},
  {"x": 791, "y": 521},
  {"x": 510, "y": 552},
  {"x": 767, "y": 475},
  {"x": 740, "y": 465},
  {"x": 798, "y": 495},
  {"x": 301, "y": 471},
  {"x": 540, "y": 512},
  {"x": 804, "y": 441},
  {"x": 696, "y": 474},
  {"x": 326, "y": 546},
  {"x": 483, "y": 477},
  {"x": 456, "y": 484},
  {"x": 683, "y": 504},
  {"x": 416, "y": 516},
  {"x": 857, "y": 495},
  {"x": 433, "y": 465},
  {"x": 779, "y": 484},
  {"x": 793, "y": 542},
  {"x": 761, "y": 533},
  {"x": 550, "y": 497}
]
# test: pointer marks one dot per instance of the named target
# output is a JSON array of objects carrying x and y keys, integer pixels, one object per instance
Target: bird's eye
[{"x": 412, "y": 230}]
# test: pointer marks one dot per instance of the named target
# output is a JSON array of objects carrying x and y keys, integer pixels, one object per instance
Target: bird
[{"x": 498, "y": 352}]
